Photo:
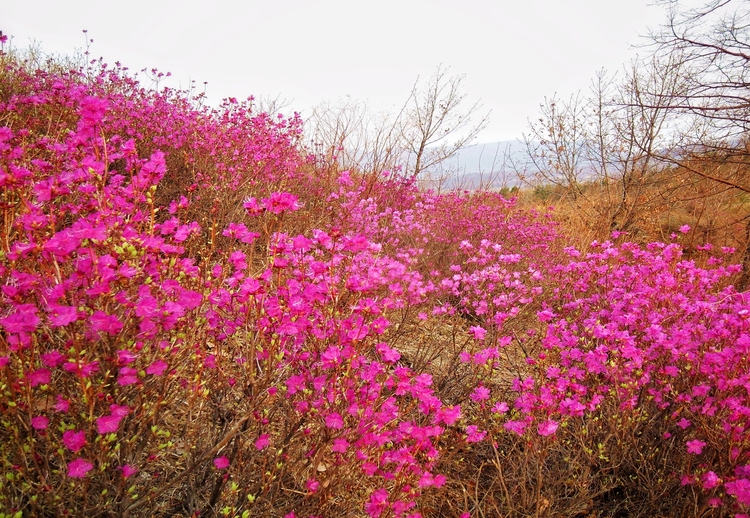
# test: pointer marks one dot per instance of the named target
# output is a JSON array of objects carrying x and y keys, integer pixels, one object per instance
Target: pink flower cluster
[{"x": 172, "y": 301}]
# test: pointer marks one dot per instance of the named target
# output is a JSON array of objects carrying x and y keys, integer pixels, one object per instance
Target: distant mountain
[{"x": 489, "y": 165}]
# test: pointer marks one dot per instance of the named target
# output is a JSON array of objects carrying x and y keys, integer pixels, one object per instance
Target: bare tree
[
  {"x": 348, "y": 134},
  {"x": 430, "y": 128},
  {"x": 602, "y": 152},
  {"x": 437, "y": 125},
  {"x": 556, "y": 145},
  {"x": 714, "y": 41}
]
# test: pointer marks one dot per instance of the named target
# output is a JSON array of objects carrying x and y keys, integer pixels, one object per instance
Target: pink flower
[
  {"x": 448, "y": 414},
  {"x": 221, "y": 462},
  {"x": 478, "y": 332},
  {"x": 516, "y": 427},
  {"x": 52, "y": 359},
  {"x": 547, "y": 427},
  {"x": 312, "y": 485},
  {"x": 60, "y": 316},
  {"x": 252, "y": 207},
  {"x": 389, "y": 354},
  {"x": 262, "y": 441},
  {"x": 428, "y": 480},
  {"x": 127, "y": 376},
  {"x": 695, "y": 446},
  {"x": 740, "y": 488},
  {"x": 710, "y": 480},
  {"x": 78, "y": 468},
  {"x": 473, "y": 434},
  {"x": 685, "y": 229},
  {"x": 108, "y": 424},
  {"x": 39, "y": 422},
  {"x": 295, "y": 383},
  {"x": 23, "y": 320},
  {"x": 378, "y": 503},
  {"x": 340, "y": 445},
  {"x": 334, "y": 420},
  {"x": 126, "y": 356},
  {"x": 157, "y": 368},
  {"x": 39, "y": 377},
  {"x": 480, "y": 394},
  {"x": 128, "y": 470},
  {"x": 73, "y": 440},
  {"x": 500, "y": 407},
  {"x": 280, "y": 202},
  {"x": 62, "y": 404},
  {"x": 102, "y": 322},
  {"x": 119, "y": 410}
]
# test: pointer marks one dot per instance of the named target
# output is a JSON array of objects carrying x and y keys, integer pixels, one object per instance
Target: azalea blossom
[
  {"x": 74, "y": 440},
  {"x": 695, "y": 446},
  {"x": 79, "y": 467},
  {"x": 221, "y": 462}
]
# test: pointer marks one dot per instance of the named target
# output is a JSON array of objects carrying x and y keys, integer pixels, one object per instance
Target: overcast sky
[{"x": 513, "y": 52}]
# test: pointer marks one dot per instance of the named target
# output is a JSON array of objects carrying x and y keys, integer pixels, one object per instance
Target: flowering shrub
[{"x": 194, "y": 323}]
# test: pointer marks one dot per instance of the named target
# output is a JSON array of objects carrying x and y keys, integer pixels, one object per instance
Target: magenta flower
[
  {"x": 312, "y": 485},
  {"x": 740, "y": 488},
  {"x": 78, "y": 468},
  {"x": 378, "y": 503},
  {"x": 334, "y": 420},
  {"x": 157, "y": 368},
  {"x": 695, "y": 446},
  {"x": 84, "y": 370},
  {"x": 127, "y": 376},
  {"x": 128, "y": 470},
  {"x": 119, "y": 410},
  {"x": 710, "y": 480},
  {"x": 102, "y": 322},
  {"x": 23, "y": 320},
  {"x": 340, "y": 445},
  {"x": 389, "y": 354},
  {"x": 39, "y": 422},
  {"x": 548, "y": 427},
  {"x": 73, "y": 440},
  {"x": 61, "y": 404},
  {"x": 60, "y": 316},
  {"x": 480, "y": 394},
  {"x": 52, "y": 359},
  {"x": 39, "y": 377},
  {"x": 221, "y": 462},
  {"x": 448, "y": 415},
  {"x": 252, "y": 207},
  {"x": 262, "y": 441},
  {"x": 478, "y": 332},
  {"x": 517, "y": 427},
  {"x": 473, "y": 434},
  {"x": 126, "y": 356},
  {"x": 295, "y": 383},
  {"x": 500, "y": 407},
  {"x": 108, "y": 424},
  {"x": 280, "y": 202}
]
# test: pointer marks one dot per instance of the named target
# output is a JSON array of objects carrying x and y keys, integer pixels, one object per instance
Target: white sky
[{"x": 513, "y": 52}]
